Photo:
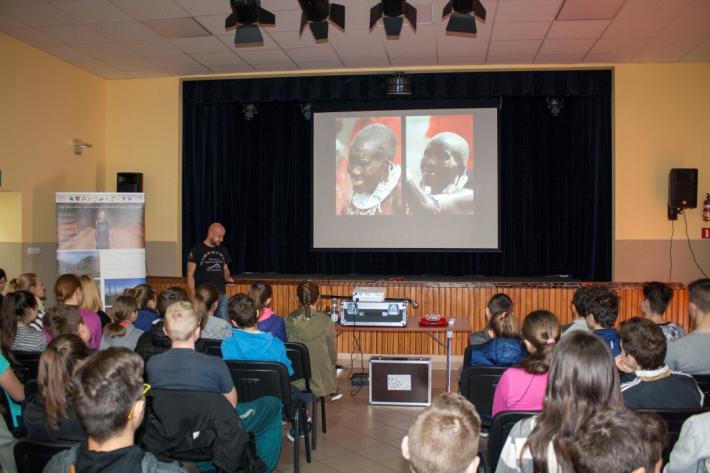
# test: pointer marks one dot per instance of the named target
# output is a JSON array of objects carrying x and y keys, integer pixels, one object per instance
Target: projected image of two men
[{"x": 436, "y": 155}]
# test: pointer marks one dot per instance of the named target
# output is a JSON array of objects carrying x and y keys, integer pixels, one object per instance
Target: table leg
[{"x": 449, "y": 336}]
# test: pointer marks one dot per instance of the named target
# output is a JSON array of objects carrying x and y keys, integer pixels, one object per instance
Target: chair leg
[
  {"x": 296, "y": 442},
  {"x": 314, "y": 424},
  {"x": 322, "y": 412},
  {"x": 306, "y": 439}
]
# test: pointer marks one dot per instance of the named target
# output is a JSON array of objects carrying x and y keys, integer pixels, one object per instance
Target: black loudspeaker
[
  {"x": 129, "y": 182},
  {"x": 682, "y": 191}
]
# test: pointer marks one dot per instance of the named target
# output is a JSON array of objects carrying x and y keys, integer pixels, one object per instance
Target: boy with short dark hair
[
  {"x": 444, "y": 437},
  {"x": 579, "y": 310},
  {"x": 602, "y": 309},
  {"x": 651, "y": 384},
  {"x": 108, "y": 394},
  {"x": 656, "y": 297},
  {"x": 620, "y": 441},
  {"x": 691, "y": 354}
]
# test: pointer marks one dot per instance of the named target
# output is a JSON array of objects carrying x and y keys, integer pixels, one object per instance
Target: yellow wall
[
  {"x": 44, "y": 104},
  {"x": 661, "y": 121},
  {"x": 11, "y": 217}
]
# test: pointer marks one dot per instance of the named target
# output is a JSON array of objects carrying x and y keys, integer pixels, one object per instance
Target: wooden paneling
[{"x": 460, "y": 299}]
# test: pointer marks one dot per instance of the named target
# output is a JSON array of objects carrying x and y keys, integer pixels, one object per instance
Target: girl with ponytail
[
  {"x": 260, "y": 292},
  {"x": 32, "y": 283},
  {"x": 120, "y": 332},
  {"x": 19, "y": 310},
  {"x": 48, "y": 414},
  {"x": 504, "y": 347},
  {"x": 523, "y": 388},
  {"x": 314, "y": 329}
]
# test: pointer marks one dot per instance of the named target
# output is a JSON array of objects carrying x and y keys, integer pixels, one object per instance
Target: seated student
[
  {"x": 523, "y": 389},
  {"x": 68, "y": 291},
  {"x": 497, "y": 304},
  {"x": 260, "y": 293},
  {"x": 583, "y": 379},
  {"x": 147, "y": 303},
  {"x": 691, "y": 354},
  {"x": 121, "y": 332},
  {"x": 247, "y": 341},
  {"x": 691, "y": 453},
  {"x": 32, "y": 283},
  {"x": 206, "y": 301},
  {"x": 620, "y": 441},
  {"x": 504, "y": 347},
  {"x": 15, "y": 391},
  {"x": 656, "y": 297},
  {"x": 154, "y": 340},
  {"x": 649, "y": 383},
  {"x": 49, "y": 415},
  {"x": 182, "y": 367},
  {"x": 107, "y": 391},
  {"x": 92, "y": 298},
  {"x": 602, "y": 310},
  {"x": 579, "y": 310},
  {"x": 19, "y": 310},
  {"x": 315, "y": 330},
  {"x": 444, "y": 437},
  {"x": 66, "y": 319}
]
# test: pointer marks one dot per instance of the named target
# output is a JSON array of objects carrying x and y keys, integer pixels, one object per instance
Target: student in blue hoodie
[
  {"x": 602, "y": 307},
  {"x": 504, "y": 347}
]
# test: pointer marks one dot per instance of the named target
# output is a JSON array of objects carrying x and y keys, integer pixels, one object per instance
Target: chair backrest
[
  {"x": 300, "y": 362},
  {"x": 674, "y": 421},
  {"x": 703, "y": 381},
  {"x": 27, "y": 365},
  {"x": 210, "y": 347},
  {"x": 467, "y": 355},
  {"x": 501, "y": 426},
  {"x": 478, "y": 385},
  {"x": 255, "y": 379},
  {"x": 31, "y": 456}
]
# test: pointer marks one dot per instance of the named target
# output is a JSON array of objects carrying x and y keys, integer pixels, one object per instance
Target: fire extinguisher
[{"x": 706, "y": 208}]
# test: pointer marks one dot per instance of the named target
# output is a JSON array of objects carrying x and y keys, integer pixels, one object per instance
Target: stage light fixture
[
  {"x": 463, "y": 15},
  {"x": 317, "y": 13},
  {"x": 307, "y": 111},
  {"x": 399, "y": 84},
  {"x": 393, "y": 13},
  {"x": 250, "y": 111},
  {"x": 247, "y": 16},
  {"x": 555, "y": 105}
]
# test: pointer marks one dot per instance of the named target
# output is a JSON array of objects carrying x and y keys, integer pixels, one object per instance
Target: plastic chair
[
  {"x": 255, "y": 379},
  {"x": 301, "y": 363},
  {"x": 478, "y": 385},
  {"x": 32, "y": 456},
  {"x": 674, "y": 422},
  {"x": 501, "y": 426},
  {"x": 210, "y": 347},
  {"x": 703, "y": 381}
]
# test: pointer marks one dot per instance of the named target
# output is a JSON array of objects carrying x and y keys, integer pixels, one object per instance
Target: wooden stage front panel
[{"x": 459, "y": 299}]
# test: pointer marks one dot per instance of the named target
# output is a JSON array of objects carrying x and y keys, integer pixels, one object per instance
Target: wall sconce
[{"x": 79, "y": 146}]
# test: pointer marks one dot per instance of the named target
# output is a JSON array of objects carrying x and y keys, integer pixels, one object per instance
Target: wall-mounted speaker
[
  {"x": 682, "y": 191},
  {"x": 129, "y": 182}
]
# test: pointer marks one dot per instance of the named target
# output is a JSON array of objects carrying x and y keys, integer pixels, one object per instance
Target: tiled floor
[{"x": 360, "y": 438}]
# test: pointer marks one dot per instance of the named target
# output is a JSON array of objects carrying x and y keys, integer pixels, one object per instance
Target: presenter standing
[{"x": 208, "y": 262}]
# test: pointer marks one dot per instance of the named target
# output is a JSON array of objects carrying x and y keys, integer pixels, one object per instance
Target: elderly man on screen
[{"x": 445, "y": 187}]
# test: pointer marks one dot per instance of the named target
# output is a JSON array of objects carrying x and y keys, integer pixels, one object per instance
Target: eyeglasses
[{"x": 146, "y": 388}]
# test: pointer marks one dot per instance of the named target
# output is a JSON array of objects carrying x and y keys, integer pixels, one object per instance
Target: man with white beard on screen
[{"x": 445, "y": 186}]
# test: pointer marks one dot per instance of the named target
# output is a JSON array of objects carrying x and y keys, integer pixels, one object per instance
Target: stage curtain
[{"x": 255, "y": 176}]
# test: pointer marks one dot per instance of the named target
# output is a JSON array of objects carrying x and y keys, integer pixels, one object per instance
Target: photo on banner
[{"x": 102, "y": 235}]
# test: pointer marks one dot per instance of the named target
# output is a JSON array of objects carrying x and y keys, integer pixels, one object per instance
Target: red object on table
[{"x": 440, "y": 322}]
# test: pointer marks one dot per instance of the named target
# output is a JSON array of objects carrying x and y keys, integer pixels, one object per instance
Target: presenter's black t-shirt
[{"x": 210, "y": 263}]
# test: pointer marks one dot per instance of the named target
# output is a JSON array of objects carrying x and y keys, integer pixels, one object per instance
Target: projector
[{"x": 369, "y": 294}]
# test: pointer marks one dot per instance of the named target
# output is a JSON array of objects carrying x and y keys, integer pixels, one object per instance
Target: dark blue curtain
[{"x": 255, "y": 176}]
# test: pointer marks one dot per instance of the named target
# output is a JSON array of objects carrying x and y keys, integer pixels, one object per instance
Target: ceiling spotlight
[
  {"x": 463, "y": 15},
  {"x": 399, "y": 84},
  {"x": 394, "y": 12},
  {"x": 316, "y": 14},
  {"x": 555, "y": 105},
  {"x": 247, "y": 16}
]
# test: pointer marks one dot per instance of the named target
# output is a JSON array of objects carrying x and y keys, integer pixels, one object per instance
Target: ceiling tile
[
  {"x": 697, "y": 9},
  {"x": 6, "y": 21},
  {"x": 357, "y": 64},
  {"x": 688, "y": 27},
  {"x": 577, "y": 29},
  {"x": 39, "y": 14},
  {"x": 217, "y": 59},
  {"x": 519, "y": 47},
  {"x": 357, "y": 14},
  {"x": 607, "y": 57},
  {"x": 510, "y": 58},
  {"x": 411, "y": 61},
  {"x": 360, "y": 37},
  {"x": 232, "y": 68},
  {"x": 101, "y": 50},
  {"x": 93, "y": 11},
  {"x": 205, "y": 7},
  {"x": 187, "y": 70},
  {"x": 645, "y": 9},
  {"x": 697, "y": 56},
  {"x": 559, "y": 58},
  {"x": 300, "y": 55},
  {"x": 520, "y": 30},
  {"x": 356, "y": 53},
  {"x": 669, "y": 46},
  {"x": 126, "y": 31},
  {"x": 287, "y": 20},
  {"x": 276, "y": 67},
  {"x": 177, "y": 28},
  {"x": 147, "y": 74},
  {"x": 77, "y": 34},
  {"x": 209, "y": 44},
  {"x": 33, "y": 37},
  {"x": 566, "y": 46},
  {"x": 175, "y": 61},
  {"x": 101, "y": 69},
  {"x": 411, "y": 45},
  {"x": 628, "y": 28},
  {"x": 586, "y": 10},
  {"x": 462, "y": 60},
  {"x": 274, "y": 56},
  {"x": 228, "y": 40},
  {"x": 274, "y": 5},
  {"x": 449, "y": 45},
  {"x": 67, "y": 53},
  {"x": 527, "y": 10},
  {"x": 151, "y": 9},
  {"x": 291, "y": 39},
  {"x": 214, "y": 24},
  {"x": 619, "y": 46},
  {"x": 156, "y": 48},
  {"x": 320, "y": 65}
]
